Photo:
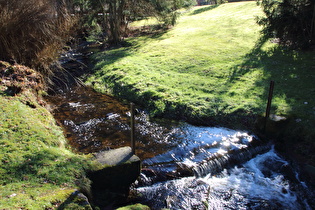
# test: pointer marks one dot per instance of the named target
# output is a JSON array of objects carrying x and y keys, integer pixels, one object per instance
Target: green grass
[
  {"x": 37, "y": 171},
  {"x": 191, "y": 67},
  {"x": 212, "y": 68}
]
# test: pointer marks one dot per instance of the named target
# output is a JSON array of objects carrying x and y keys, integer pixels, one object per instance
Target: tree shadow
[
  {"x": 126, "y": 48},
  {"x": 204, "y": 9},
  {"x": 113, "y": 54},
  {"x": 252, "y": 60},
  {"x": 149, "y": 31},
  {"x": 293, "y": 73}
]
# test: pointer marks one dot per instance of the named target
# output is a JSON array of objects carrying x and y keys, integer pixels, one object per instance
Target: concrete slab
[
  {"x": 120, "y": 169},
  {"x": 116, "y": 156}
]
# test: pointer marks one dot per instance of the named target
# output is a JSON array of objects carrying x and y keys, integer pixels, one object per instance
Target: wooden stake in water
[
  {"x": 272, "y": 83},
  {"x": 132, "y": 126}
]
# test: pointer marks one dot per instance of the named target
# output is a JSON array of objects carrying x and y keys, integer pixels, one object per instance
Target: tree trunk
[
  {"x": 116, "y": 20},
  {"x": 313, "y": 27}
]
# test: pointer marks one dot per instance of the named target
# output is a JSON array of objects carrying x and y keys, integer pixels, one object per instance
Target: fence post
[
  {"x": 132, "y": 126},
  {"x": 272, "y": 83}
]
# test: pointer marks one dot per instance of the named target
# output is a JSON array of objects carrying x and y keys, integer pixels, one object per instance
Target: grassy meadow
[
  {"x": 193, "y": 68},
  {"x": 212, "y": 68}
]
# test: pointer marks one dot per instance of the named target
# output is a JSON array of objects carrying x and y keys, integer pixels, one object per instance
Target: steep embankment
[
  {"x": 37, "y": 171},
  {"x": 213, "y": 69}
]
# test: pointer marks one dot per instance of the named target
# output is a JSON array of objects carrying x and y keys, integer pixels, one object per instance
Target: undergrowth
[{"x": 33, "y": 32}]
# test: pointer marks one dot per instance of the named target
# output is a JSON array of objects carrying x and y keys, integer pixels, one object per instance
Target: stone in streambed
[
  {"x": 121, "y": 168},
  {"x": 111, "y": 183}
]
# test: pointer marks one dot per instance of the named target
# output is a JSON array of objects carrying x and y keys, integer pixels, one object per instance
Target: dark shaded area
[
  {"x": 12, "y": 91},
  {"x": 204, "y": 9},
  {"x": 73, "y": 65},
  {"x": 76, "y": 200},
  {"x": 291, "y": 22},
  {"x": 150, "y": 31},
  {"x": 39, "y": 163},
  {"x": 111, "y": 185}
]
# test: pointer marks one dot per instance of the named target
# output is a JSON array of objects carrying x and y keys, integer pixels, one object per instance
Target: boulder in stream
[{"x": 111, "y": 183}]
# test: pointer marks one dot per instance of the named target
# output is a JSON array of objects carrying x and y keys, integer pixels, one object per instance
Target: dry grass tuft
[
  {"x": 32, "y": 32},
  {"x": 18, "y": 78}
]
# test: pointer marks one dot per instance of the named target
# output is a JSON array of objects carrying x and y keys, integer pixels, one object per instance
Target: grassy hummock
[
  {"x": 213, "y": 68},
  {"x": 37, "y": 171}
]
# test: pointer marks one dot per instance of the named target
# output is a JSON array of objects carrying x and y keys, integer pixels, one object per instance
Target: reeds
[{"x": 32, "y": 32}]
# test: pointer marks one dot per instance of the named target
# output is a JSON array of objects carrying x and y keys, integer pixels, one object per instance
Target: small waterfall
[
  {"x": 212, "y": 151},
  {"x": 219, "y": 162},
  {"x": 255, "y": 184}
]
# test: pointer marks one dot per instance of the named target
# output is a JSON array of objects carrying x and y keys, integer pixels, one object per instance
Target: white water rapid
[{"x": 253, "y": 181}]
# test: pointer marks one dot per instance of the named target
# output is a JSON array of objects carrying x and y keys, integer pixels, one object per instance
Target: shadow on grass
[
  {"x": 292, "y": 71},
  {"x": 294, "y": 75},
  {"x": 150, "y": 31},
  {"x": 76, "y": 200},
  {"x": 5, "y": 93},
  {"x": 204, "y": 9},
  {"x": 46, "y": 166}
]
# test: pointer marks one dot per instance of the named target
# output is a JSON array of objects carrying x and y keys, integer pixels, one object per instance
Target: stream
[{"x": 184, "y": 166}]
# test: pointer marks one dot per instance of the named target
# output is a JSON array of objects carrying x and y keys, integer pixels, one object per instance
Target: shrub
[{"x": 291, "y": 21}]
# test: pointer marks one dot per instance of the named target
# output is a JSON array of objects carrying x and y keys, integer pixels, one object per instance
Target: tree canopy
[
  {"x": 113, "y": 16},
  {"x": 292, "y": 22}
]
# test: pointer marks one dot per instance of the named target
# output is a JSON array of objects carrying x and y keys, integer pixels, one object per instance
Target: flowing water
[
  {"x": 257, "y": 184},
  {"x": 184, "y": 166}
]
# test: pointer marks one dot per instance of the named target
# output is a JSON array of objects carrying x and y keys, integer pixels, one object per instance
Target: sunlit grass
[
  {"x": 192, "y": 63},
  {"x": 36, "y": 171}
]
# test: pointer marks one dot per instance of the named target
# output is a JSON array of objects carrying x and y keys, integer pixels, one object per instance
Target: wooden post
[
  {"x": 272, "y": 83},
  {"x": 132, "y": 126}
]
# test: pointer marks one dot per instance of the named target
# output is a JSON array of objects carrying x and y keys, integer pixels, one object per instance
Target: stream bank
[
  {"x": 37, "y": 169},
  {"x": 287, "y": 134}
]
